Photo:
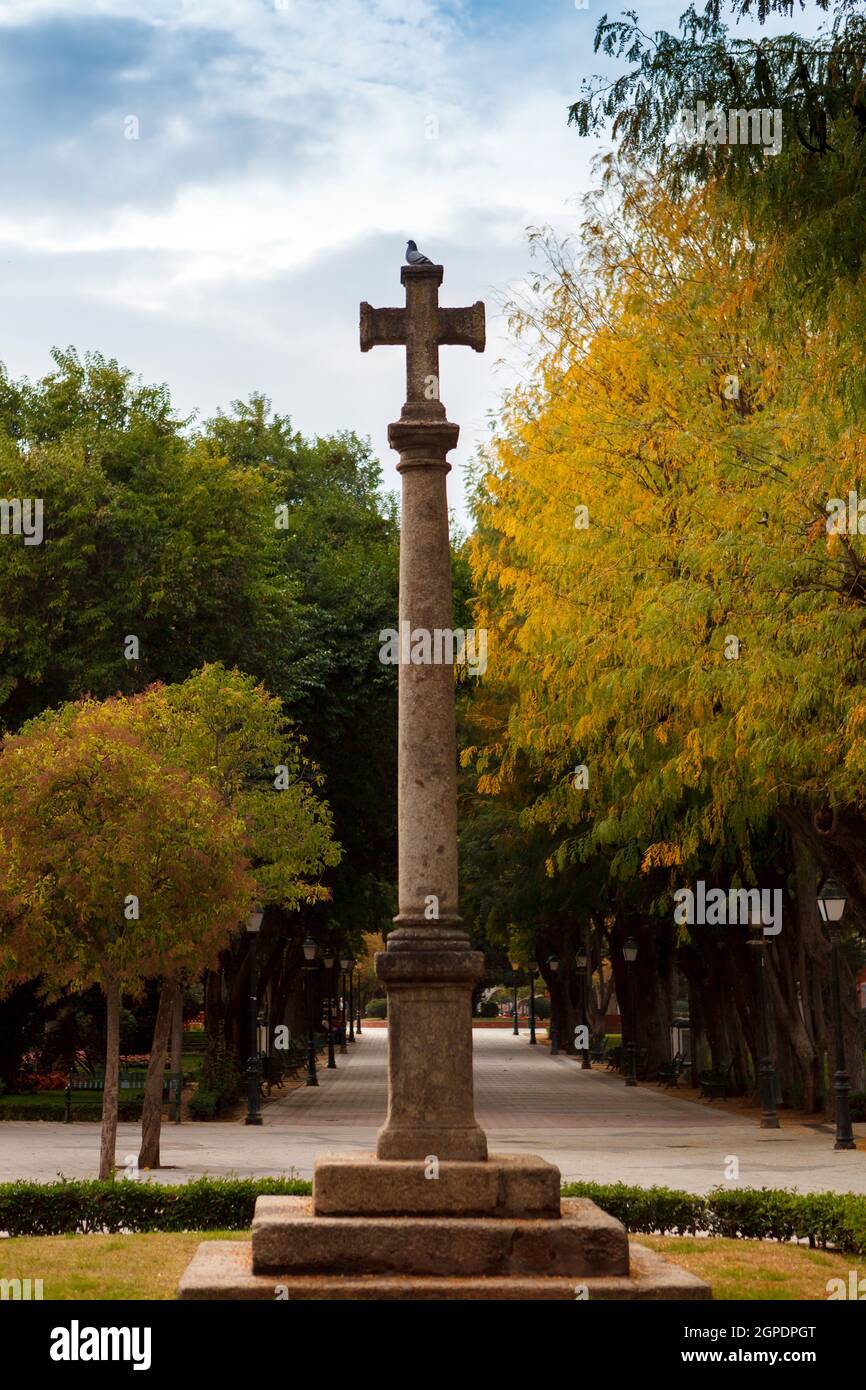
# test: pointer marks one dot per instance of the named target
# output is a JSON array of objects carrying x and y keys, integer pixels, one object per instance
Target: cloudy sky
[{"x": 285, "y": 151}]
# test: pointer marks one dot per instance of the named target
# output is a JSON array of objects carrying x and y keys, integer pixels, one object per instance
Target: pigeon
[{"x": 414, "y": 256}]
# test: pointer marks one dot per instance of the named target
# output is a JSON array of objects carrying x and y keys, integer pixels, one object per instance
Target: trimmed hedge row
[
  {"x": 91, "y": 1111},
  {"x": 67, "y": 1208},
  {"x": 822, "y": 1218},
  {"x": 825, "y": 1219}
]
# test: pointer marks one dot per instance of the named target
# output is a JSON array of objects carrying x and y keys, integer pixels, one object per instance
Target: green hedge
[
  {"x": 825, "y": 1219},
  {"x": 822, "y": 1218},
  {"x": 53, "y": 1107},
  {"x": 67, "y": 1208}
]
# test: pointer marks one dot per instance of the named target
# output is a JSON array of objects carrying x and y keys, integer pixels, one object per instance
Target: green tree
[
  {"x": 225, "y": 727},
  {"x": 335, "y": 547},
  {"x": 146, "y": 535},
  {"x": 115, "y": 865}
]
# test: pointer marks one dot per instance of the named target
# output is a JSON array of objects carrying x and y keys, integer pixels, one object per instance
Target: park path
[{"x": 588, "y": 1123}]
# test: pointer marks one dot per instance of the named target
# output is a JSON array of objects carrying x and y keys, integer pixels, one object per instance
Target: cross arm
[
  {"x": 463, "y": 327},
  {"x": 380, "y": 327}
]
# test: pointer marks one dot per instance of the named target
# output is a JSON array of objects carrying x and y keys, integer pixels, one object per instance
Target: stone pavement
[{"x": 588, "y": 1123}]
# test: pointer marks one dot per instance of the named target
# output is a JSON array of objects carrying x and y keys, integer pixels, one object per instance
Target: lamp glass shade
[
  {"x": 346, "y": 962},
  {"x": 629, "y": 950},
  {"x": 328, "y": 959},
  {"x": 832, "y": 901},
  {"x": 580, "y": 960},
  {"x": 553, "y": 962},
  {"x": 254, "y": 921},
  {"x": 310, "y": 948}
]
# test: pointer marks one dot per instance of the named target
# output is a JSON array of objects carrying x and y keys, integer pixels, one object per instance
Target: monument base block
[
  {"x": 223, "y": 1269},
  {"x": 489, "y": 1230},
  {"x": 520, "y": 1185}
]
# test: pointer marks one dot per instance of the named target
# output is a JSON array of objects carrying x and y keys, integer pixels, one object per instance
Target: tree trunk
[
  {"x": 151, "y": 1110},
  {"x": 108, "y": 1138}
]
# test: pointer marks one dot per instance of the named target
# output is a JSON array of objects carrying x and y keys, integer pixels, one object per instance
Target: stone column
[{"x": 428, "y": 968}]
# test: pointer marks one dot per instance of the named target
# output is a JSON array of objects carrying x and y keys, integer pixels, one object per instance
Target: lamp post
[
  {"x": 328, "y": 962},
  {"x": 532, "y": 978},
  {"x": 351, "y": 999},
  {"x": 514, "y": 975},
  {"x": 345, "y": 962},
  {"x": 832, "y": 901},
  {"x": 553, "y": 965},
  {"x": 629, "y": 953},
  {"x": 358, "y": 1023},
  {"x": 310, "y": 950},
  {"x": 580, "y": 961},
  {"x": 766, "y": 1070},
  {"x": 254, "y": 1065}
]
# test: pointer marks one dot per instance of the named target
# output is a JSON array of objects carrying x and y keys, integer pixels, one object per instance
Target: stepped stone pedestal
[
  {"x": 374, "y": 1229},
  {"x": 430, "y": 1215}
]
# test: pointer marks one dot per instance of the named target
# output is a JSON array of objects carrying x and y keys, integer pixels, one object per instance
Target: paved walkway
[{"x": 588, "y": 1123}]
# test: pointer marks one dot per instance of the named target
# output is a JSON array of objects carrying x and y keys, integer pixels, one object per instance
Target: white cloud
[{"x": 221, "y": 275}]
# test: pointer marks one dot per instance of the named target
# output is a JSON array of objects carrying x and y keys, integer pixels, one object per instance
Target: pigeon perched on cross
[{"x": 414, "y": 256}]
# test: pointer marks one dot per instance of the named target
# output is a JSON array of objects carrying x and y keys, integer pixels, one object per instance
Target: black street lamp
[
  {"x": 553, "y": 1032},
  {"x": 533, "y": 975},
  {"x": 310, "y": 949},
  {"x": 351, "y": 999},
  {"x": 254, "y": 1065},
  {"x": 345, "y": 962},
  {"x": 514, "y": 975},
  {"x": 328, "y": 962},
  {"x": 580, "y": 960},
  {"x": 629, "y": 954},
  {"x": 358, "y": 1023},
  {"x": 766, "y": 1070},
  {"x": 832, "y": 901}
]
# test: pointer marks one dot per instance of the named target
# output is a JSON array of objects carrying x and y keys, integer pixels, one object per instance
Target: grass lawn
[
  {"x": 761, "y": 1269},
  {"x": 116, "y": 1267},
  {"x": 149, "y": 1266}
]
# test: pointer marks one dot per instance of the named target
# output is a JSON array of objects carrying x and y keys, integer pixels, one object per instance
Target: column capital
[
  {"x": 410, "y": 273},
  {"x": 423, "y": 443}
]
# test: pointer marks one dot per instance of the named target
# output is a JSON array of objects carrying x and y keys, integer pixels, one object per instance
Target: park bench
[
  {"x": 284, "y": 1064},
  {"x": 669, "y": 1073},
  {"x": 128, "y": 1083},
  {"x": 618, "y": 1061},
  {"x": 597, "y": 1049},
  {"x": 716, "y": 1081}
]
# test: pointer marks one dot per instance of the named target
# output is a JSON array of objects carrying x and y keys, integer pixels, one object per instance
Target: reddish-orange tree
[{"x": 115, "y": 864}]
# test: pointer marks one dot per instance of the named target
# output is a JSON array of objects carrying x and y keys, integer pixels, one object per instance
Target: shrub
[
  {"x": 51, "y": 1105},
  {"x": 646, "y": 1209},
  {"x": 488, "y": 1009},
  {"x": 823, "y": 1218},
  {"x": 377, "y": 1008},
  {"x": 204, "y": 1104},
  {"x": 221, "y": 1084},
  {"x": 858, "y": 1106},
  {"x": 68, "y": 1208}
]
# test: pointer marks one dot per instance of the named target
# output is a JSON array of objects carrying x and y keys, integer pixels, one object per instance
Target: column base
[{"x": 430, "y": 1098}]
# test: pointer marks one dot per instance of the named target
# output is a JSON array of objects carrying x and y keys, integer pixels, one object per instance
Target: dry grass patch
[
  {"x": 133, "y": 1267},
  {"x": 757, "y": 1269}
]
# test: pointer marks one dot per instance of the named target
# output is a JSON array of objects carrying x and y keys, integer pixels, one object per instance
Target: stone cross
[
  {"x": 422, "y": 327},
  {"x": 428, "y": 968}
]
